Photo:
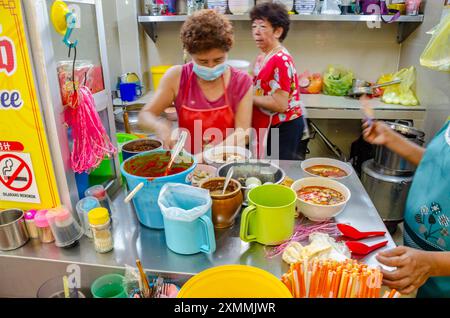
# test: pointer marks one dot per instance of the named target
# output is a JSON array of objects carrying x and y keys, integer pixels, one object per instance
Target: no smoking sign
[{"x": 17, "y": 181}]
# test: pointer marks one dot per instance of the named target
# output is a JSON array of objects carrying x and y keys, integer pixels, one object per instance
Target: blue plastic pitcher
[
  {"x": 146, "y": 200},
  {"x": 187, "y": 219}
]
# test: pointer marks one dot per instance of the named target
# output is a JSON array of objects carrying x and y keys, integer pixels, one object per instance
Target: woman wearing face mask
[
  {"x": 277, "y": 98},
  {"x": 210, "y": 97}
]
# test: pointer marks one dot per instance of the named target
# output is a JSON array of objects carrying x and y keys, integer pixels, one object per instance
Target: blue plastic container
[
  {"x": 146, "y": 200},
  {"x": 187, "y": 219},
  {"x": 129, "y": 92}
]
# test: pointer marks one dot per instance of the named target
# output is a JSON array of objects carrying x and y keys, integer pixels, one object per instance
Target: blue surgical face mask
[{"x": 209, "y": 73}]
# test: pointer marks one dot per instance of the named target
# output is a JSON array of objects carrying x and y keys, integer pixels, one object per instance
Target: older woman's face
[
  {"x": 264, "y": 34},
  {"x": 210, "y": 58}
]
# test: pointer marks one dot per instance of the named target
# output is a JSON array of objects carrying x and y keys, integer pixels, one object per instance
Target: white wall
[
  {"x": 112, "y": 41},
  {"x": 432, "y": 87},
  {"x": 314, "y": 45}
]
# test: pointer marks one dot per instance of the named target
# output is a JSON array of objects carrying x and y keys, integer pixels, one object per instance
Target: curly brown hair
[{"x": 206, "y": 30}]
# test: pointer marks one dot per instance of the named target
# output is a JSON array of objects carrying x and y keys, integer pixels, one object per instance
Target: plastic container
[
  {"x": 100, "y": 224},
  {"x": 44, "y": 231},
  {"x": 83, "y": 207},
  {"x": 109, "y": 286},
  {"x": 157, "y": 73},
  {"x": 65, "y": 228},
  {"x": 99, "y": 192},
  {"x": 123, "y": 138},
  {"x": 29, "y": 222},
  {"x": 54, "y": 288}
]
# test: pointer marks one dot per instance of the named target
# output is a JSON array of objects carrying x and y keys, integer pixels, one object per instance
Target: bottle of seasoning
[
  {"x": 43, "y": 228},
  {"x": 101, "y": 229},
  {"x": 65, "y": 229},
  {"x": 99, "y": 192},
  {"x": 29, "y": 222},
  {"x": 83, "y": 207}
]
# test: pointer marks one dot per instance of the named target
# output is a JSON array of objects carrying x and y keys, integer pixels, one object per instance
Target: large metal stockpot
[
  {"x": 390, "y": 163},
  {"x": 13, "y": 232},
  {"x": 388, "y": 193}
]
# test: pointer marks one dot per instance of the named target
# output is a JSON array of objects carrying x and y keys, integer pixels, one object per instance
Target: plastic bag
[
  {"x": 337, "y": 81},
  {"x": 437, "y": 53},
  {"x": 402, "y": 94},
  {"x": 183, "y": 202},
  {"x": 310, "y": 83},
  {"x": 330, "y": 7}
]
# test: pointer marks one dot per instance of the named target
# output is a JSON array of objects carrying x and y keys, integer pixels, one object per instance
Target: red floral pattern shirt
[{"x": 278, "y": 73}]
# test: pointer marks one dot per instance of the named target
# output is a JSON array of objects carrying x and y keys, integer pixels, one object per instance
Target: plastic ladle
[
  {"x": 363, "y": 249},
  {"x": 351, "y": 232},
  {"x": 227, "y": 180}
]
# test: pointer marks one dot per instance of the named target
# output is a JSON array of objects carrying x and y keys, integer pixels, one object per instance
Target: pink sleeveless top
[{"x": 239, "y": 84}]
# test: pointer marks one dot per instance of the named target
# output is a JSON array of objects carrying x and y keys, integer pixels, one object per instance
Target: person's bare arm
[
  {"x": 163, "y": 98},
  {"x": 380, "y": 134},
  {"x": 277, "y": 102}
]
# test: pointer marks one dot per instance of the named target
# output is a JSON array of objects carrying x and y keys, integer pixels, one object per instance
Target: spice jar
[
  {"x": 65, "y": 229},
  {"x": 43, "y": 228},
  {"x": 83, "y": 207},
  {"x": 29, "y": 222},
  {"x": 101, "y": 229},
  {"x": 99, "y": 192}
]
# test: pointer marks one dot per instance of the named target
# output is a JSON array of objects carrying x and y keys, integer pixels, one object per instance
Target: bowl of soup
[
  {"x": 218, "y": 156},
  {"x": 320, "y": 199},
  {"x": 327, "y": 168}
]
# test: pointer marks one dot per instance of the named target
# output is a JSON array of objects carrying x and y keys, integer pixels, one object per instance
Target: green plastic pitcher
[{"x": 269, "y": 219}]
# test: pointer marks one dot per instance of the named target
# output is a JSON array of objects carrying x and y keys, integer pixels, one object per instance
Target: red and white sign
[{"x": 17, "y": 180}]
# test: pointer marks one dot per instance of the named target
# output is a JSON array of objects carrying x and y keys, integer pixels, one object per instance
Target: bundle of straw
[{"x": 333, "y": 279}]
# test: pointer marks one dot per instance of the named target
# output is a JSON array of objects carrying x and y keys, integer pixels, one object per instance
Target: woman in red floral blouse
[{"x": 276, "y": 102}]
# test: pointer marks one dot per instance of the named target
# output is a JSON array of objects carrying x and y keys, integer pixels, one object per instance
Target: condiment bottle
[
  {"x": 99, "y": 192},
  {"x": 43, "y": 228},
  {"x": 100, "y": 223},
  {"x": 65, "y": 229},
  {"x": 83, "y": 207},
  {"x": 29, "y": 222}
]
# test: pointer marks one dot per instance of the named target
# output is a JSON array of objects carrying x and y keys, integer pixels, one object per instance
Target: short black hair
[{"x": 275, "y": 13}]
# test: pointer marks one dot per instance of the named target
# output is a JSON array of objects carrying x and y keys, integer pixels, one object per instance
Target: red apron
[{"x": 205, "y": 126}]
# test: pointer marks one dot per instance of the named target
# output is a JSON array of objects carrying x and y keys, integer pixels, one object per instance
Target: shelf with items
[{"x": 406, "y": 24}]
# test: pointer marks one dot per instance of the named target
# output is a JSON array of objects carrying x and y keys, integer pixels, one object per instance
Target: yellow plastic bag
[
  {"x": 402, "y": 94},
  {"x": 437, "y": 53}
]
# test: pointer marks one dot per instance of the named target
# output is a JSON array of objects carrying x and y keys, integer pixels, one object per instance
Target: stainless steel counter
[{"x": 131, "y": 241}]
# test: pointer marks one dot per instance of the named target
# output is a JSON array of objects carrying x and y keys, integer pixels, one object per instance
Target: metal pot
[
  {"x": 13, "y": 232},
  {"x": 390, "y": 163},
  {"x": 388, "y": 193}
]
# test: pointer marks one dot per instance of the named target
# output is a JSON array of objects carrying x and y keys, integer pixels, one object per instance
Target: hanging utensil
[
  {"x": 353, "y": 233},
  {"x": 360, "y": 248},
  {"x": 227, "y": 179}
]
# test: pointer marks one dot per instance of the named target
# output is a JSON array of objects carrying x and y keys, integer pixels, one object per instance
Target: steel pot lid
[{"x": 406, "y": 130}]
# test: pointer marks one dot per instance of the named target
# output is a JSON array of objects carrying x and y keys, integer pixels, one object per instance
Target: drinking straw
[
  {"x": 386, "y": 294},
  {"x": 391, "y": 294},
  {"x": 66, "y": 287},
  {"x": 296, "y": 284}
]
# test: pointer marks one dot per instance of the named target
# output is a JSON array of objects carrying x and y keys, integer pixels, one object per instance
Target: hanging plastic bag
[
  {"x": 402, "y": 94},
  {"x": 310, "y": 83},
  {"x": 337, "y": 81},
  {"x": 437, "y": 53},
  {"x": 91, "y": 143},
  {"x": 183, "y": 202}
]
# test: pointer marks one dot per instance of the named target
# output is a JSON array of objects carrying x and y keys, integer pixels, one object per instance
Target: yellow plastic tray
[{"x": 234, "y": 281}]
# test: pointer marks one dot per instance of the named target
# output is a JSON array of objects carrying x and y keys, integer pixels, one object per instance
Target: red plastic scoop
[
  {"x": 351, "y": 232},
  {"x": 363, "y": 249}
]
